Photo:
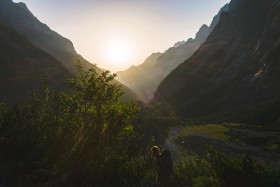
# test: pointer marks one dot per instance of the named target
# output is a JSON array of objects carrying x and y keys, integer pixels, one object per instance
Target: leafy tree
[
  {"x": 88, "y": 133},
  {"x": 106, "y": 132}
]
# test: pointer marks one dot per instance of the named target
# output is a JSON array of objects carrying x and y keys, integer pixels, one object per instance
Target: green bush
[
  {"x": 220, "y": 170},
  {"x": 88, "y": 133},
  {"x": 191, "y": 170}
]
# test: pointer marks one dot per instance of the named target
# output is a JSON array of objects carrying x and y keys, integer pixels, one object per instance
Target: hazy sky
[{"x": 116, "y": 34}]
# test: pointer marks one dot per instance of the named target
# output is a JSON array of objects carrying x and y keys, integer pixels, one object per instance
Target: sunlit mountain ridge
[{"x": 144, "y": 79}]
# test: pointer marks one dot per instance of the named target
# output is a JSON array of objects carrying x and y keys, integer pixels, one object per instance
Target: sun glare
[{"x": 118, "y": 53}]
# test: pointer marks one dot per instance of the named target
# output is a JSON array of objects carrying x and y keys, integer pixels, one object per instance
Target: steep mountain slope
[
  {"x": 23, "y": 65},
  {"x": 141, "y": 79},
  {"x": 237, "y": 66},
  {"x": 145, "y": 78},
  {"x": 18, "y": 18}
]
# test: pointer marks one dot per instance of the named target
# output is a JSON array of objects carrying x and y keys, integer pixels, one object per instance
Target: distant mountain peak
[
  {"x": 22, "y": 5},
  {"x": 216, "y": 18},
  {"x": 5, "y": 3},
  {"x": 177, "y": 44},
  {"x": 204, "y": 26},
  {"x": 202, "y": 33}
]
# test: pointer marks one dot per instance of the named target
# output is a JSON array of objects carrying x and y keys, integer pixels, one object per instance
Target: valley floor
[{"x": 233, "y": 139}]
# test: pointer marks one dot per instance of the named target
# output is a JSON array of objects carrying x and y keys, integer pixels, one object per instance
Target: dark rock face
[
  {"x": 144, "y": 79},
  {"x": 237, "y": 66}
]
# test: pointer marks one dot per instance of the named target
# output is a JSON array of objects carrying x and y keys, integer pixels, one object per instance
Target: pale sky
[{"x": 115, "y": 34}]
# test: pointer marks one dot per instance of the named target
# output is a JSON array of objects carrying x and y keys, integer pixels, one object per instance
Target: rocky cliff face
[
  {"x": 237, "y": 66},
  {"x": 144, "y": 79}
]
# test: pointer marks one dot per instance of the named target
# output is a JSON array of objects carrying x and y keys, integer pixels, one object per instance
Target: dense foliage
[
  {"x": 217, "y": 169},
  {"x": 85, "y": 136},
  {"x": 90, "y": 137}
]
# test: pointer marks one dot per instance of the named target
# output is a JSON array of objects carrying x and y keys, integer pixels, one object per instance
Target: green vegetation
[
  {"x": 215, "y": 169},
  {"x": 210, "y": 130},
  {"x": 89, "y": 134},
  {"x": 90, "y": 137},
  {"x": 273, "y": 148}
]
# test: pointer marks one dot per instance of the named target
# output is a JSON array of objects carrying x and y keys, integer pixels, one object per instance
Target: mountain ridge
[
  {"x": 18, "y": 18},
  {"x": 23, "y": 65},
  {"x": 144, "y": 81},
  {"x": 233, "y": 68}
]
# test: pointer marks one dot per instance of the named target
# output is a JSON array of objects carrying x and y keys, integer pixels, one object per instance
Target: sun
[{"x": 118, "y": 53}]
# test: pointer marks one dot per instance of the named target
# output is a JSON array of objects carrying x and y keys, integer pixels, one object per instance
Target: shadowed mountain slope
[
  {"x": 237, "y": 66},
  {"x": 16, "y": 17},
  {"x": 23, "y": 65},
  {"x": 145, "y": 78}
]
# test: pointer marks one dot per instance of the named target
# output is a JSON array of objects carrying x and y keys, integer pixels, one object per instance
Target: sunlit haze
[
  {"x": 115, "y": 34},
  {"x": 118, "y": 51}
]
